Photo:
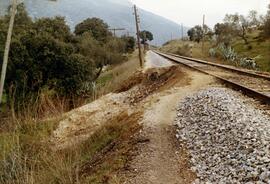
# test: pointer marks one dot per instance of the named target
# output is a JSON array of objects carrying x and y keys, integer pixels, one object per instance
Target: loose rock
[{"x": 228, "y": 140}]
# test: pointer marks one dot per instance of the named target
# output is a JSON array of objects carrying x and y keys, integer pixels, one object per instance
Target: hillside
[
  {"x": 257, "y": 48},
  {"x": 117, "y": 13}
]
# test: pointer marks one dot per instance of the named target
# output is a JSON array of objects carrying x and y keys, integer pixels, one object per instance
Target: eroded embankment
[
  {"x": 128, "y": 119},
  {"x": 79, "y": 124}
]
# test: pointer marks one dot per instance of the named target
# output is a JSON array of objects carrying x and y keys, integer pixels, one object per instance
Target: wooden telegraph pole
[
  {"x": 138, "y": 34},
  {"x": 203, "y": 34},
  {"x": 7, "y": 47}
]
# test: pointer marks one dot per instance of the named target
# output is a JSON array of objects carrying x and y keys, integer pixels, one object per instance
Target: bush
[
  {"x": 183, "y": 50},
  {"x": 129, "y": 43},
  {"x": 228, "y": 53},
  {"x": 248, "y": 63},
  {"x": 212, "y": 52},
  {"x": 47, "y": 63}
]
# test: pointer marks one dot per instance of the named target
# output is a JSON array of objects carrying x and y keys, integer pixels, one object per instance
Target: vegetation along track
[{"x": 250, "y": 83}]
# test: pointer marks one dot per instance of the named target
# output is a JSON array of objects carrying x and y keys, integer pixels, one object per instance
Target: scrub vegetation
[{"x": 242, "y": 41}]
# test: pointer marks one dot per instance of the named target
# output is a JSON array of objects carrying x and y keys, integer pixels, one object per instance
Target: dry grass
[
  {"x": 179, "y": 47},
  {"x": 114, "y": 77},
  {"x": 26, "y": 156}
]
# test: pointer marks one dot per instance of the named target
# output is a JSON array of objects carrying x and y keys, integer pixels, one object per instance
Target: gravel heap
[{"x": 229, "y": 141}]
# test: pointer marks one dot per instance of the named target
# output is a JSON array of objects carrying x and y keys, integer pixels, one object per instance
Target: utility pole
[
  {"x": 182, "y": 27},
  {"x": 138, "y": 35},
  {"x": 116, "y": 29},
  {"x": 7, "y": 47},
  {"x": 203, "y": 33},
  {"x": 144, "y": 42}
]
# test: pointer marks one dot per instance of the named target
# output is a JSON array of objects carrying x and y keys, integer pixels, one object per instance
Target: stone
[{"x": 228, "y": 139}]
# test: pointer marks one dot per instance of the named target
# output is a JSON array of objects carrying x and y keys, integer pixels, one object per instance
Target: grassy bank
[
  {"x": 257, "y": 47},
  {"x": 26, "y": 154}
]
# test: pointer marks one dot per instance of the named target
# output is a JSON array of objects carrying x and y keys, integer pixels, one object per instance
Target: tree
[
  {"x": 224, "y": 33},
  {"x": 239, "y": 25},
  {"x": 196, "y": 33},
  {"x": 45, "y": 55},
  {"x": 97, "y": 27},
  {"x": 253, "y": 18},
  {"x": 101, "y": 55},
  {"x": 208, "y": 33},
  {"x": 146, "y": 36},
  {"x": 266, "y": 27},
  {"x": 268, "y": 12},
  {"x": 56, "y": 27},
  {"x": 47, "y": 63},
  {"x": 244, "y": 24},
  {"x": 41, "y": 58},
  {"x": 129, "y": 43}
]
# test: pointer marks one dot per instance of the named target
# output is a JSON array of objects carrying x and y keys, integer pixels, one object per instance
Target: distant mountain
[{"x": 117, "y": 13}]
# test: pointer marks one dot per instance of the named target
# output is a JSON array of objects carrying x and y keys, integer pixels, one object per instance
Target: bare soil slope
[{"x": 149, "y": 98}]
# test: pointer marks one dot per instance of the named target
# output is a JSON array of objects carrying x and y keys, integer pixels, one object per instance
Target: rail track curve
[{"x": 250, "y": 83}]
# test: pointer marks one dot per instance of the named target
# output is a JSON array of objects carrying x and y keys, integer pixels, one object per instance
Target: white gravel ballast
[{"x": 228, "y": 139}]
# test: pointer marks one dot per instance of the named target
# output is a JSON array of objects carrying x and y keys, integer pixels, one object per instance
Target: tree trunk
[
  {"x": 98, "y": 74},
  {"x": 7, "y": 47},
  {"x": 244, "y": 35}
]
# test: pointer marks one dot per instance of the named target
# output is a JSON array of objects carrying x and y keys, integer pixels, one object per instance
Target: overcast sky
[{"x": 190, "y": 12}]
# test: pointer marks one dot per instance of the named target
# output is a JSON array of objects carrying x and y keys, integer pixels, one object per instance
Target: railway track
[{"x": 253, "y": 84}]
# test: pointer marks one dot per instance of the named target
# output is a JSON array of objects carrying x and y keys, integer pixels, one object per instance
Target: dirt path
[{"x": 159, "y": 160}]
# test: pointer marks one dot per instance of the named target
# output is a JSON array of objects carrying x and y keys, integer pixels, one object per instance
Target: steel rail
[
  {"x": 230, "y": 68},
  {"x": 265, "y": 99}
]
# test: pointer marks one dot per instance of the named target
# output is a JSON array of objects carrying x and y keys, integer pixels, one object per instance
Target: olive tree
[{"x": 97, "y": 27}]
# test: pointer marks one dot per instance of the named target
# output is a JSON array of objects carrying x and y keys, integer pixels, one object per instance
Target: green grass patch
[
  {"x": 255, "y": 49},
  {"x": 104, "y": 79},
  {"x": 258, "y": 47}
]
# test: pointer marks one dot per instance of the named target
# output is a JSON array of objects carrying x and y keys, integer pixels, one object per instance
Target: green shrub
[
  {"x": 183, "y": 50},
  {"x": 228, "y": 53}
]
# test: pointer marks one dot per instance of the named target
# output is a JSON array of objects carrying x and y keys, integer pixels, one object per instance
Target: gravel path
[{"x": 228, "y": 139}]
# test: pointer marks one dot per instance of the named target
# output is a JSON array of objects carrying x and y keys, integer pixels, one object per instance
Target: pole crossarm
[{"x": 116, "y": 29}]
